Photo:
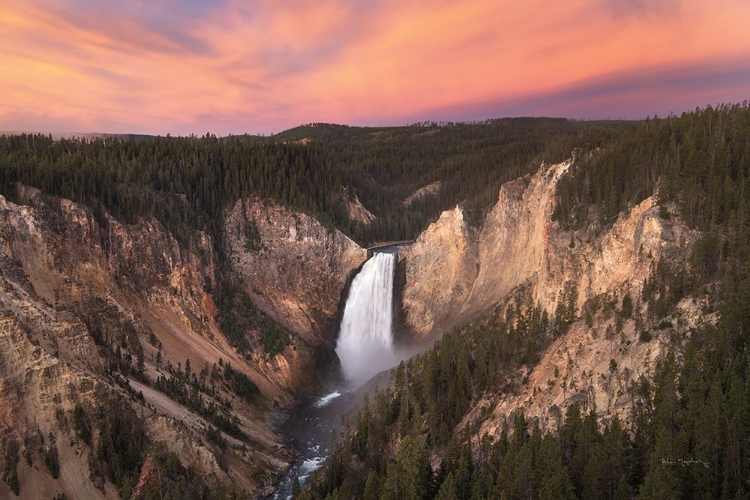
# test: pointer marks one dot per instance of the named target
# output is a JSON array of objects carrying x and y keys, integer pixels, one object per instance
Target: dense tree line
[
  {"x": 186, "y": 182},
  {"x": 383, "y": 166},
  {"x": 183, "y": 182}
]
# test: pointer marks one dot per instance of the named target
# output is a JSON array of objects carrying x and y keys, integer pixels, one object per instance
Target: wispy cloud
[
  {"x": 632, "y": 94},
  {"x": 185, "y": 66}
]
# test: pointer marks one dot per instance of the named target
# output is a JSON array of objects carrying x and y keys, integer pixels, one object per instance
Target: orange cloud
[{"x": 256, "y": 66}]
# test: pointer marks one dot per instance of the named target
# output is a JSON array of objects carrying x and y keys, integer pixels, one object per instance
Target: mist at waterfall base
[{"x": 365, "y": 343}]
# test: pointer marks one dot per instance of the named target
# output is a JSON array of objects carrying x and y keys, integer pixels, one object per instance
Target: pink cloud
[{"x": 259, "y": 66}]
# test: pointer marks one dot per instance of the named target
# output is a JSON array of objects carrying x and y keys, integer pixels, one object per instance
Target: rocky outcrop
[
  {"x": 514, "y": 240},
  {"x": 455, "y": 273},
  {"x": 594, "y": 366},
  {"x": 35, "y": 388},
  {"x": 422, "y": 193},
  {"x": 293, "y": 267},
  {"x": 357, "y": 212},
  {"x": 440, "y": 268},
  {"x": 473, "y": 270}
]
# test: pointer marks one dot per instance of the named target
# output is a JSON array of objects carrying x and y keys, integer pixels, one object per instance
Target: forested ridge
[
  {"x": 186, "y": 182},
  {"x": 689, "y": 434},
  {"x": 383, "y": 166},
  {"x": 698, "y": 164}
]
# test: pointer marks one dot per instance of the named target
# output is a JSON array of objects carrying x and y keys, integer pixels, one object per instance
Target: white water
[
  {"x": 326, "y": 400},
  {"x": 308, "y": 467},
  {"x": 365, "y": 343}
]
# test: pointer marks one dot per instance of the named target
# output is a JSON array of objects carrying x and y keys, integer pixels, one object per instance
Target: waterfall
[{"x": 365, "y": 339}]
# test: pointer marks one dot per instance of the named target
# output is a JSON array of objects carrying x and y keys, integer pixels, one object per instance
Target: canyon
[{"x": 74, "y": 283}]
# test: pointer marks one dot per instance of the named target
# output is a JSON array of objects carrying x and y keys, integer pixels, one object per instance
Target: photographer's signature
[{"x": 685, "y": 462}]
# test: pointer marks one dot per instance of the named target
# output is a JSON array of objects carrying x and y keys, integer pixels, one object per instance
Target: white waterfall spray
[{"x": 365, "y": 344}]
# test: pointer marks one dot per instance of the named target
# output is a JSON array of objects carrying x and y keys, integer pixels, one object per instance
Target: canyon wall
[
  {"x": 292, "y": 266},
  {"x": 456, "y": 274}
]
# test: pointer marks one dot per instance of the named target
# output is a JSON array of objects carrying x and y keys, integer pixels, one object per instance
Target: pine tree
[
  {"x": 554, "y": 482},
  {"x": 448, "y": 490},
  {"x": 408, "y": 476},
  {"x": 372, "y": 487}
]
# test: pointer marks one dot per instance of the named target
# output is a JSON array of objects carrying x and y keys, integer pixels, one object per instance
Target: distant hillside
[{"x": 383, "y": 166}]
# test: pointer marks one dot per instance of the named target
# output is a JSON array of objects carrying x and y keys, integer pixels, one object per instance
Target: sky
[{"x": 262, "y": 66}]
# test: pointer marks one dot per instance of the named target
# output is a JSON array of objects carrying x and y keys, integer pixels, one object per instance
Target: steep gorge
[
  {"x": 209, "y": 337},
  {"x": 73, "y": 284}
]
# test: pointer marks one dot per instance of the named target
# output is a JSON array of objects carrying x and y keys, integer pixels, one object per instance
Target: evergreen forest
[{"x": 186, "y": 182}]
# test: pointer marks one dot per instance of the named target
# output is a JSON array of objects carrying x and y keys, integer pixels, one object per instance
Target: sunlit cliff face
[{"x": 233, "y": 67}]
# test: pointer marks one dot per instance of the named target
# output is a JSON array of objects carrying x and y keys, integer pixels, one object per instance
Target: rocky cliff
[
  {"x": 440, "y": 269},
  {"x": 94, "y": 311},
  {"x": 292, "y": 266},
  {"x": 456, "y": 274}
]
